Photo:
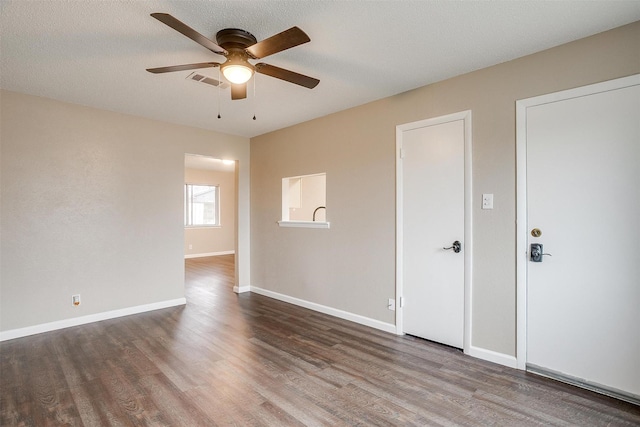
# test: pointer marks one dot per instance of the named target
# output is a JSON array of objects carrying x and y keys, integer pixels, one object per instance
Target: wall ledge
[
  {"x": 202, "y": 255},
  {"x": 83, "y": 320},
  {"x": 303, "y": 224}
]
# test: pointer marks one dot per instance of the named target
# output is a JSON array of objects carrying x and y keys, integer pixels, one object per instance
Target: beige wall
[
  {"x": 92, "y": 204},
  {"x": 351, "y": 267},
  {"x": 209, "y": 240}
]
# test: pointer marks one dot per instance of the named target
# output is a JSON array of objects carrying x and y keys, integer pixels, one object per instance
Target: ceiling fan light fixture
[{"x": 237, "y": 72}]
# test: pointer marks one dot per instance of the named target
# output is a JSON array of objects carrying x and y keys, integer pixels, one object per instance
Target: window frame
[{"x": 188, "y": 209}]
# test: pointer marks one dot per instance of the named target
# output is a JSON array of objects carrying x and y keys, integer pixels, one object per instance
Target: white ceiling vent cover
[{"x": 201, "y": 78}]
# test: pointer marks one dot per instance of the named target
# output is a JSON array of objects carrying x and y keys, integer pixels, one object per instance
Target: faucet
[{"x": 314, "y": 212}]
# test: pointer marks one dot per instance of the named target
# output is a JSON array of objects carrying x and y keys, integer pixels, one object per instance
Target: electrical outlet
[
  {"x": 391, "y": 305},
  {"x": 190, "y": 247},
  {"x": 75, "y": 300}
]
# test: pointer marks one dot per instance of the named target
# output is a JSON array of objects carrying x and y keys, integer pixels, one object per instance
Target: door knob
[{"x": 455, "y": 246}]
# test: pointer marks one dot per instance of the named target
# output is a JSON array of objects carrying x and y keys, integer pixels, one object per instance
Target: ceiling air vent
[{"x": 201, "y": 78}]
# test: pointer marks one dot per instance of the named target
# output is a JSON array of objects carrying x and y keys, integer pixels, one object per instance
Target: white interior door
[
  {"x": 433, "y": 217},
  {"x": 583, "y": 194}
]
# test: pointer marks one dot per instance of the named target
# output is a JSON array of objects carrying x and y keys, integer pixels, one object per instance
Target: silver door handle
[
  {"x": 537, "y": 252},
  {"x": 455, "y": 246}
]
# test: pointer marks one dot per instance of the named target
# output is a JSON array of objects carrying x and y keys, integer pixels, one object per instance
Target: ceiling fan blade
[
  {"x": 186, "y": 30},
  {"x": 239, "y": 91},
  {"x": 286, "y": 75},
  {"x": 172, "y": 68},
  {"x": 292, "y": 37}
]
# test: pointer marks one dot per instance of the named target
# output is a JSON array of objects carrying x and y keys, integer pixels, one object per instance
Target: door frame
[
  {"x": 521, "y": 194},
  {"x": 465, "y": 116}
]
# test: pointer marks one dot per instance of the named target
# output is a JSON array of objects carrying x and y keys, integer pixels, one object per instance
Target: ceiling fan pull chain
[
  {"x": 255, "y": 101},
  {"x": 219, "y": 84}
]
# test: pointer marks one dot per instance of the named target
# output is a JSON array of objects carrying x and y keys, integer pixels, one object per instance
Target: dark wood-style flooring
[{"x": 227, "y": 359}]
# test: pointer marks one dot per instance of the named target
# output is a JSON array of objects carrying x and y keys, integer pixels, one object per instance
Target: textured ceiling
[{"x": 94, "y": 52}]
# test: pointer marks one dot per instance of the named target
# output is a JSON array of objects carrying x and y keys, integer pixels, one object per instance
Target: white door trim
[
  {"x": 521, "y": 194},
  {"x": 468, "y": 244}
]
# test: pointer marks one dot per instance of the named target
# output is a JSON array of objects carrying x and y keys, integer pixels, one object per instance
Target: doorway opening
[{"x": 210, "y": 206}]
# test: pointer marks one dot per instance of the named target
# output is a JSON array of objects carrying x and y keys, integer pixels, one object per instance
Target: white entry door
[
  {"x": 432, "y": 218},
  {"x": 583, "y": 206}
]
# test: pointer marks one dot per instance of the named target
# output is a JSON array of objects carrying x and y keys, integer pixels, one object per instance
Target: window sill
[{"x": 304, "y": 224}]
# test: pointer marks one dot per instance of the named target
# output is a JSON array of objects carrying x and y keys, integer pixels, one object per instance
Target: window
[
  {"x": 201, "y": 207},
  {"x": 304, "y": 201}
]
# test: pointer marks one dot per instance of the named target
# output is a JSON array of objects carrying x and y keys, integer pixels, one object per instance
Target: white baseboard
[
  {"x": 241, "y": 289},
  {"x": 387, "y": 327},
  {"x": 82, "y": 320},
  {"x": 209, "y": 254},
  {"x": 493, "y": 356}
]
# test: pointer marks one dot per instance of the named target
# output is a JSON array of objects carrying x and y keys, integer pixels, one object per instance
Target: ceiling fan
[{"x": 239, "y": 46}]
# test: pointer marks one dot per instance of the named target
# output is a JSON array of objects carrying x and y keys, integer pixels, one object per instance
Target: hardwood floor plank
[
  {"x": 218, "y": 409},
  {"x": 272, "y": 415},
  {"x": 528, "y": 409},
  {"x": 174, "y": 406},
  {"x": 335, "y": 377},
  {"x": 16, "y": 406},
  {"x": 248, "y": 360},
  {"x": 412, "y": 402},
  {"x": 95, "y": 408},
  {"x": 122, "y": 392},
  {"x": 280, "y": 392},
  {"x": 174, "y": 369}
]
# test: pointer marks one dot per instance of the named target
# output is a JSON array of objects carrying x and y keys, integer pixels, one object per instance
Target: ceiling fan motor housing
[{"x": 235, "y": 38}]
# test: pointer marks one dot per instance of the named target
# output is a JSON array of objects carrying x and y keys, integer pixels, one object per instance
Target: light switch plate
[{"x": 487, "y": 201}]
